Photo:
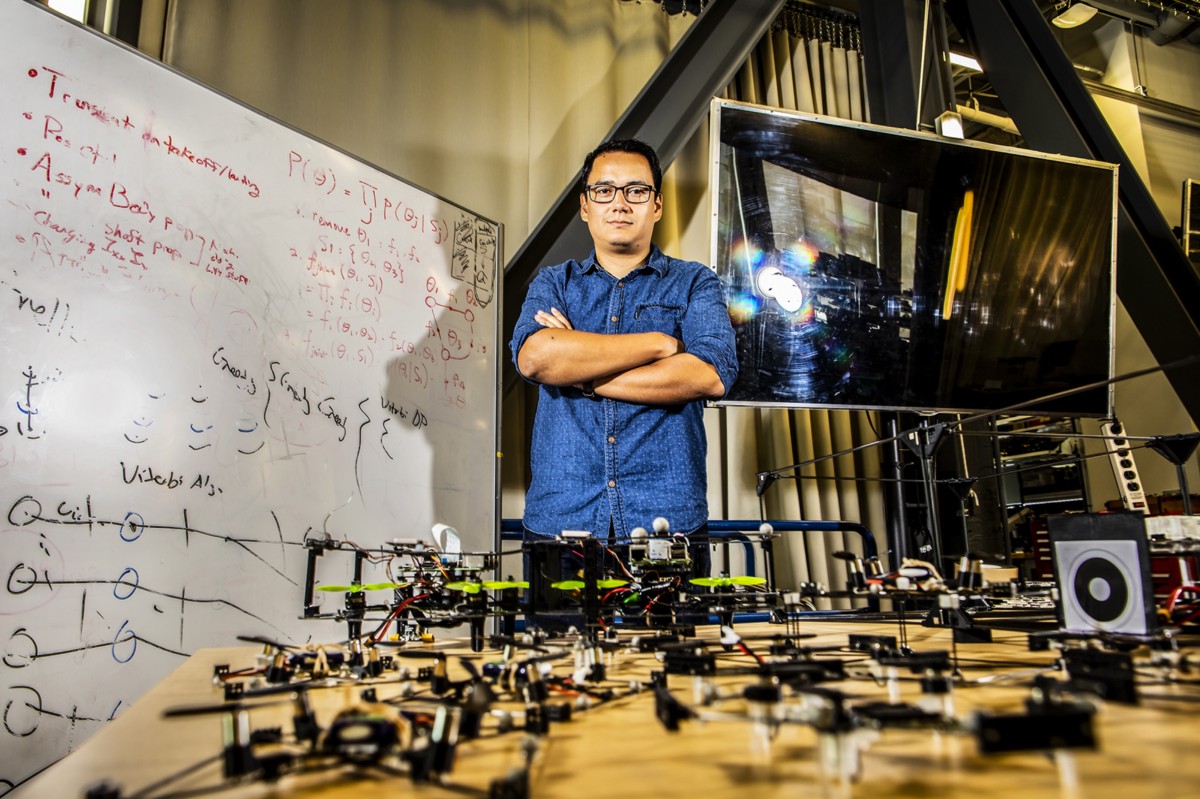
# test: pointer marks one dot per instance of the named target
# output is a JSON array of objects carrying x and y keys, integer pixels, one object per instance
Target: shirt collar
[{"x": 657, "y": 261}]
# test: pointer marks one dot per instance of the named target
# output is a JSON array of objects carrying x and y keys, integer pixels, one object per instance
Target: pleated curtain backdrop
[{"x": 809, "y": 61}]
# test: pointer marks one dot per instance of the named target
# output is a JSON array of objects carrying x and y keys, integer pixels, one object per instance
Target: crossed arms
[{"x": 650, "y": 368}]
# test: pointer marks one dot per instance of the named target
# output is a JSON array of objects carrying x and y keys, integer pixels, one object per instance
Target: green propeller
[
  {"x": 356, "y": 588},
  {"x": 725, "y": 582},
  {"x": 575, "y": 585},
  {"x": 468, "y": 587}
]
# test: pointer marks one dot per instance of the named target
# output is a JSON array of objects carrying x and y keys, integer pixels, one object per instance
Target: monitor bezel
[{"x": 719, "y": 106}]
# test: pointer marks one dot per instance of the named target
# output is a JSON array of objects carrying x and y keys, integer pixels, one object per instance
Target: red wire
[
  {"x": 616, "y": 590},
  {"x": 1174, "y": 597},
  {"x": 754, "y": 655},
  {"x": 378, "y": 636}
]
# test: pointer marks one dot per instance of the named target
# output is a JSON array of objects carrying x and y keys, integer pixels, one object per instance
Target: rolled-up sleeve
[
  {"x": 707, "y": 331},
  {"x": 545, "y": 292}
]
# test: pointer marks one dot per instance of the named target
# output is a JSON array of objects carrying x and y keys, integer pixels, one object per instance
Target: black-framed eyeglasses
[{"x": 634, "y": 193}]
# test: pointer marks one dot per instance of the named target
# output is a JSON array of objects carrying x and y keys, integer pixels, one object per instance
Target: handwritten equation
[{"x": 222, "y": 338}]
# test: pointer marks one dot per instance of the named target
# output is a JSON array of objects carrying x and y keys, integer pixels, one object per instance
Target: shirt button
[
  {"x": 612, "y": 318},
  {"x": 620, "y": 284},
  {"x": 612, "y": 439},
  {"x": 612, "y": 483}
]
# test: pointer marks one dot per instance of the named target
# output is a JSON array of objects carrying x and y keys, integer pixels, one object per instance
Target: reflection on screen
[{"x": 885, "y": 269}]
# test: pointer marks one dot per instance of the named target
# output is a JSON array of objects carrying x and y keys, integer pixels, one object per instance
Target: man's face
[{"x": 621, "y": 226}]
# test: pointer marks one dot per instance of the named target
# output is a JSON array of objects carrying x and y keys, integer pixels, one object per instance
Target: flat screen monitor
[{"x": 874, "y": 268}]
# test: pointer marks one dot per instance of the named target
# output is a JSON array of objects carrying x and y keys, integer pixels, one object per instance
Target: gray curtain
[{"x": 809, "y": 61}]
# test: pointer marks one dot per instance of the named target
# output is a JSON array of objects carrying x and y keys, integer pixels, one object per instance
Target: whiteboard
[{"x": 220, "y": 337}]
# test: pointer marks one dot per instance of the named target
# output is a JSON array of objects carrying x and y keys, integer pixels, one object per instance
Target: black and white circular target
[{"x": 1101, "y": 586}]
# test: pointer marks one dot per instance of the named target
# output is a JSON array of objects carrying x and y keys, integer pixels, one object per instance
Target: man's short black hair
[{"x": 623, "y": 146}]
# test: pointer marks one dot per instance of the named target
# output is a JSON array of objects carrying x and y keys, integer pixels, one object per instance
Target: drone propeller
[
  {"x": 434, "y": 654},
  {"x": 287, "y": 688},
  {"x": 235, "y": 707},
  {"x": 725, "y": 582},
  {"x": 470, "y": 587},
  {"x": 358, "y": 588},
  {"x": 518, "y": 643},
  {"x": 780, "y": 638},
  {"x": 262, "y": 639},
  {"x": 205, "y": 710},
  {"x": 575, "y": 585},
  {"x": 431, "y": 648},
  {"x": 444, "y": 622},
  {"x": 466, "y": 586},
  {"x": 424, "y": 654},
  {"x": 545, "y": 657}
]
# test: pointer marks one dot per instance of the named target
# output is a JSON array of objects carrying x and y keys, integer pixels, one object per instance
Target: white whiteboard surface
[{"x": 219, "y": 336}]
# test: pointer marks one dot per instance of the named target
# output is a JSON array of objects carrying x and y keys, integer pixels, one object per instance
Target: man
[{"x": 625, "y": 345}]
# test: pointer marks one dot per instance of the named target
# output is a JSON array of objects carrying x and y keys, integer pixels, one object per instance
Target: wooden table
[{"x": 619, "y": 749}]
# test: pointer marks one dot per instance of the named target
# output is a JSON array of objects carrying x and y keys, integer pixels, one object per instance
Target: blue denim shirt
[{"x": 595, "y": 460}]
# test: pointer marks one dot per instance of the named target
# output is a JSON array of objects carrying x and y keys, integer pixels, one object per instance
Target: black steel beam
[
  {"x": 1056, "y": 114},
  {"x": 890, "y": 66},
  {"x": 891, "y": 36},
  {"x": 664, "y": 115}
]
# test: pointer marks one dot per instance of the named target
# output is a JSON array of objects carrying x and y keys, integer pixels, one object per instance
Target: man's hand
[{"x": 553, "y": 318}]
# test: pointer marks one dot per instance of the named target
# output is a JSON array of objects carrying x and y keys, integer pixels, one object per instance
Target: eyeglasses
[{"x": 635, "y": 193}]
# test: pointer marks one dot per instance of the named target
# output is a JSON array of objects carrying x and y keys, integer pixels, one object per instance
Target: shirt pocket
[{"x": 657, "y": 318}]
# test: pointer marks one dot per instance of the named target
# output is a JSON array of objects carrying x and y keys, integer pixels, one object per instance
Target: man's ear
[{"x": 583, "y": 207}]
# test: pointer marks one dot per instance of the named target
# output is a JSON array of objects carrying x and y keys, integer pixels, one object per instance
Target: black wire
[
  {"x": 960, "y": 423},
  {"x": 208, "y": 761},
  {"x": 1017, "y": 664}
]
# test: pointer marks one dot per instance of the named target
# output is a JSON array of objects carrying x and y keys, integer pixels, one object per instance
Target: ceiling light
[
  {"x": 950, "y": 125},
  {"x": 75, "y": 9},
  {"x": 960, "y": 60},
  {"x": 1075, "y": 15}
]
